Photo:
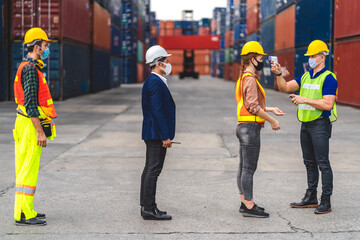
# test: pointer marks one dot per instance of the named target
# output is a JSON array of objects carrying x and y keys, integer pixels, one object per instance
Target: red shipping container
[
  {"x": 202, "y": 69},
  {"x": 61, "y": 19},
  {"x": 346, "y": 18},
  {"x": 162, "y": 24},
  {"x": 253, "y": 19},
  {"x": 202, "y": 58},
  {"x": 170, "y": 32},
  {"x": 250, "y": 3},
  {"x": 204, "y": 31},
  {"x": 140, "y": 72},
  {"x": 102, "y": 27},
  {"x": 202, "y": 51},
  {"x": 190, "y": 42},
  {"x": 154, "y": 33},
  {"x": 285, "y": 29},
  {"x": 213, "y": 25},
  {"x": 287, "y": 59},
  {"x": 176, "y": 69},
  {"x": 346, "y": 56},
  {"x": 228, "y": 73},
  {"x": 236, "y": 71},
  {"x": 177, "y": 32},
  {"x": 229, "y": 39},
  {"x": 170, "y": 24},
  {"x": 162, "y": 32}
]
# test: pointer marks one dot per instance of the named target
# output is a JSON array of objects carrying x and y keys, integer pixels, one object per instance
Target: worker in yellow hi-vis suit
[{"x": 33, "y": 126}]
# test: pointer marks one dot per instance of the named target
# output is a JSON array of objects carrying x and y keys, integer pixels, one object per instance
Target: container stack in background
[
  {"x": 202, "y": 57},
  {"x": 3, "y": 65},
  {"x": 347, "y": 50},
  {"x": 218, "y": 56},
  {"x": 239, "y": 34},
  {"x": 229, "y": 40}
]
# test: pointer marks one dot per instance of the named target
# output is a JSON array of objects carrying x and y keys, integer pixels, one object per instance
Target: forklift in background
[{"x": 189, "y": 56}]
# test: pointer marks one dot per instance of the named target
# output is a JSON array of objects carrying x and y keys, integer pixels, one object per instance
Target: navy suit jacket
[{"x": 158, "y": 109}]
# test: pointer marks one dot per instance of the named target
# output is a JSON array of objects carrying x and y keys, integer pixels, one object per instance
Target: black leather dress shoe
[
  {"x": 162, "y": 212},
  {"x": 155, "y": 215},
  {"x": 31, "y": 222},
  {"x": 38, "y": 216},
  {"x": 309, "y": 201}
]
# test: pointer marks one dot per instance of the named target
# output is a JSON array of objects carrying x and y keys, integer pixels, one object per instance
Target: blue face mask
[{"x": 46, "y": 54}]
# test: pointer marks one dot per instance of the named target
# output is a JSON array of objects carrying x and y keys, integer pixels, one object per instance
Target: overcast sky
[{"x": 172, "y": 9}]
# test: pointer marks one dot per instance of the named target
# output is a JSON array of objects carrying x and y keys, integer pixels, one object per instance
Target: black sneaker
[
  {"x": 38, "y": 216},
  {"x": 31, "y": 222},
  {"x": 255, "y": 212},
  {"x": 242, "y": 207}
]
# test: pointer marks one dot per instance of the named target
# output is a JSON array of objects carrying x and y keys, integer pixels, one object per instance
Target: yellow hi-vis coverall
[{"x": 27, "y": 162}]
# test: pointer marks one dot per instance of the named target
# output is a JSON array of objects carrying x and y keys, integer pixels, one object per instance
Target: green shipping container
[
  {"x": 140, "y": 51},
  {"x": 229, "y": 55}
]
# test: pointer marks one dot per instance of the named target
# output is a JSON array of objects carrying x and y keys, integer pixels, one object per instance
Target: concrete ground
[{"x": 90, "y": 174}]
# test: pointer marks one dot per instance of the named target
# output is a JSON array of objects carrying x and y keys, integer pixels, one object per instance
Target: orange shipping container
[
  {"x": 170, "y": 24},
  {"x": 140, "y": 73},
  {"x": 348, "y": 83},
  {"x": 213, "y": 25},
  {"x": 162, "y": 24},
  {"x": 236, "y": 71},
  {"x": 102, "y": 27},
  {"x": 170, "y": 32},
  {"x": 204, "y": 31},
  {"x": 177, "y": 32},
  {"x": 162, "y": 32},
  {"x": 287, "y": 59},
  {"x": 177, "y": 57},
  {"x": 285, "y": 29},
  {"x": 229, "y": 39},
  {"x": 228, "y": 73},
  {"x": 251, "y": 3},
  {"x": 202, "y": 58},
  {"x": 202, "y": 51},
  {"x": 253, "y": 19},
  {"x": 176, "y": 69},
  {"x": 202, "y": 69}
]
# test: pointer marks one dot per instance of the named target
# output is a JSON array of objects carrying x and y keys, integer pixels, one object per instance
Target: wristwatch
[{"x": 279, "y": 74}]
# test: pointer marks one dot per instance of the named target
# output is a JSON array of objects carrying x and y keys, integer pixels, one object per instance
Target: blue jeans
[
  {"x": 314, "y": 138},
  {"x": 249, "y": 138}
]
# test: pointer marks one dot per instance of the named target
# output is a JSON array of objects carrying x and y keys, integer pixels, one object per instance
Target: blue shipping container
[
  {"x": 312, "y": 24},
  {"x": 129, "y": 17},
  {"x": 283, "y": 4},
  {"x": 230, "y": 6},
  {"x": 116, "y": 41},
  {"x": 116, "y": 12},
  {"x": 178, "y": 25},
  {"x": 220, "y": 71},
  {"x": 222, "y": 43},
  {"x": 100, "y": 71},
  {"x": 1, "y": 21},
  {"x": 267, "y": 78},
  {"x": 268, "y": 9},
  {"x": 52, "y": 66},
  {"x": 268, "y": 35},
  {"x": 76, "y": 76},
  {"x": 240, "y": 12},
  {"x": 237, "y": 52},
  {"x": 129, "y": 70},
  {"x": 3, "y": 79},
  {"x": 253, "y": 37},
  {"x": 301, "y": 62},
  {"x": 239, "y": 32},
  {"x": 204, "y": 22},
  {"x": 128, "y": 43},
  {"x": 115, "y": 73}
]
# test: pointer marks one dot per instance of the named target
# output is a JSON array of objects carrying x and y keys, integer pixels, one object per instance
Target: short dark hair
[
  {"x": 31, "y": 48},
  {"x": 160, "y": 60}
]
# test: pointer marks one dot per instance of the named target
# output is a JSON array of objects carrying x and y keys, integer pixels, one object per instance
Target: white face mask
[
  {"x": 313, "y": 63},
  {"x": 167, "y": 69}
]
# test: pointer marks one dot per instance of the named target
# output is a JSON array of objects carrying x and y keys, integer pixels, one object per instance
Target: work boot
[
  {"x": 38, "y": 216},
  {"x": 31, "y": 222},
  {"x": 309, "y": 200},
  {"x": 325, "y": 205}
]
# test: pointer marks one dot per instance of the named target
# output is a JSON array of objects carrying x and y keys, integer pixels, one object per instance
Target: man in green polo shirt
[{"x": 316, "y": 110}]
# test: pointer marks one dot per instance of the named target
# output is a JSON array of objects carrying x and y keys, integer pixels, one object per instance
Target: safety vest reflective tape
[
  {"x": 312, "y": 88},
  {"x": 44, "y": 96},
  {"x": 243, "y": 114},
  {"x": 25, "y": 190}
]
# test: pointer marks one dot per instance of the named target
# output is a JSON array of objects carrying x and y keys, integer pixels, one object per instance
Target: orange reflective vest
[
  {"x": 243, "y": 114},
  {"x": 44, "y": 96}
]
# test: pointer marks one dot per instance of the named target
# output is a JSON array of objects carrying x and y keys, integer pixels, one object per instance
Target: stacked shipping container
[
  {"x": 218, "y": 56},
  {"x": 229, "y": 40},
  {"x": 3, "y": 65}
]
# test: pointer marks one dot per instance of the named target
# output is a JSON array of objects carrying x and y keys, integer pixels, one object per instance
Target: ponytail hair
[{"x": 245, "y": 61}]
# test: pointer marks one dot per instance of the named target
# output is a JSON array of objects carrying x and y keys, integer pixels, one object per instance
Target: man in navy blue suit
[{"x": 158, "y": 129}]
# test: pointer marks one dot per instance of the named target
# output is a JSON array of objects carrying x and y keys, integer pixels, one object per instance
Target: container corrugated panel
[
  {"x": 283, "y": 4},
  {"x": 268, "y": 9},
  {"x": 307, "y": 28},
  {"x": 204, "y": 22},
  {"x": 228, "y": 73},
  {"x": 347, "y": 18},
  {"x": 301, "y": 61},
  {"x": 23, "y": 17},
  {"x": 202, "y": 69},
  {"x": 286, "y": 59},
  {"x": 202, "y": 59},
  {"x": 115, "y": 72},
  {"x": 128, "y": 43},
  {"x": 237, "y": 52},
  {"x": 239, "y": 32},
  {"x": 267, "y": 77},
  {"x": 253, "y": 19},
  {"x": 140, "y": 73},
  {"x": 115, "y": 41},
  {"x": 285, "y": 29},
  {"x": 253, "y": 37},
  {"x": 178, "y": 25},
  {"x": 220, "y": 56},
  {"x": 236, "y": 71},
  {"x": 102, "y": 27},
  {"x": 1, "y": 22},
  {"x": 3, "y": 68},
  {"x": 176, "y": 69},
  {"x": 100, "y": 70},
  {"x": 116, "y": 12},
  {"x": 220, "y": 70},
  {"x": 251, "y": 3},
  {"x": 129, "y": 73},
  {"x": 76, "y": 76},
  {"x": 129, "y": 16},
  {"x": 52, "y": 68},
  {"x": 348, "y": 82},
  {"x": 229, "y": 55},
  {"x": 140, "y": 51},
  {"x": 240, "y": 11},
  {"x": 268, "y": 35}
]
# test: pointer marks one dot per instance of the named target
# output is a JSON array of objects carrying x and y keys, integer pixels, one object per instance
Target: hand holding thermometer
[{"x": 176, "y": 142}]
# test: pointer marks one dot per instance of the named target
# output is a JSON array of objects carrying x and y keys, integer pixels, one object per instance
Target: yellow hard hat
[
  {"x": 252, "y": 47},
  {"x": 316, "y": 47},
  {"x": 35, "y": 34}
]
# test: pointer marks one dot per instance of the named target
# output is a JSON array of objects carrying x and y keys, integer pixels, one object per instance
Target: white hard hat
[{"x": 155, "y": 53}]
